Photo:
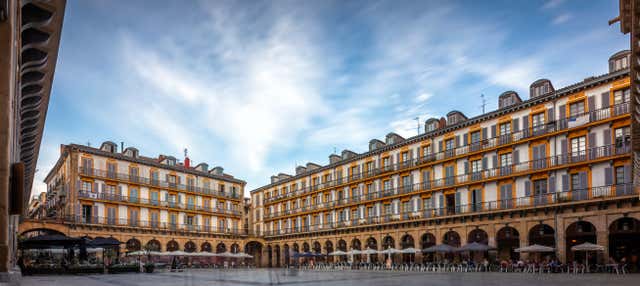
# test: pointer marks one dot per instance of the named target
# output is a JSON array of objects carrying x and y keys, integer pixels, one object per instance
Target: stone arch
[
  {"x": 40, "y": 231},
  {"x": 542, "y": 234},
  {"x": 277, "y": 252},
  {"x": 388, "y": 242},
  {"x": 328, "y": 246},
  {"x": 406, "y": 241},
  {"x": 269, "y": 256},
  {"x": 577, "y": 233},
  {"x": 235, "y": 248},
  {"x": 153, "y": 245},
  {"x": 172, "y": 245},
  {"x": 221, "y": 248},
  {"x": 427, "y": 240},
  {"x": 624, "y": 239},
  {"x": 306, "y": 247},
  {"x": 190, "y": 246},
  {"x": 296, "y": 247},
  {"x": 254, "y": 249},
  {"x": 342, "y": 245},
  {"x": 133, "y": 244},
  {"x": 451, "y": 238},
  {"x": 478, "y": 235},
  {"x": 317, "y": 248},
  {"x": 356, "y": 244},
  {"x": 205, "y": 247},
  {"x": 287, "y": 254},
  {"x": 28, "y": 226},
  {"x": 372, "y": 243},
  {"x": 507, "y": 240}
]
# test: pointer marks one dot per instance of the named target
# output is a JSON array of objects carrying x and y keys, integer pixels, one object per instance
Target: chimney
[{"x": 187, "y": 162}]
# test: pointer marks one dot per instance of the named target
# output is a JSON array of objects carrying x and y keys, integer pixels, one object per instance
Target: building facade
[
  {"x": 555, "y": 169},
  {"x": 155, "y": 203},
  {"x": 29, "y": 40}
]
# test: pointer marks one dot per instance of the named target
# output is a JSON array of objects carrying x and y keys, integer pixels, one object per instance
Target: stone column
[{"x": 602, "y": 237}]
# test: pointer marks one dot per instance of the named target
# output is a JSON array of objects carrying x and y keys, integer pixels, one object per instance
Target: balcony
[
  {"x": 135, "y": 179},
  {"x": 153, "y": 202},
  {"x": 155, "y": 225},
  {"x": 501, "y": 172},
  {"x": 534, "y": 201},
  {"x": 518, "y": 137}
]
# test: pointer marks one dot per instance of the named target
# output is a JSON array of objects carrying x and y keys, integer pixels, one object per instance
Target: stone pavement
[{"x": 335, "y": 278}]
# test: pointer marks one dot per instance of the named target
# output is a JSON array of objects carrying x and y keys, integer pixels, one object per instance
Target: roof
[
  {"x": 595, "y": 81},
  {"x": 141, "y": 160}
]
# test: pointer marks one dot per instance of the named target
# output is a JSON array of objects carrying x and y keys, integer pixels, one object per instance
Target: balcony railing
[
  {"x": 500, "y": 172},
  {"x": 105, "y": 174},
  {"x": 538, "y": 200},
  {"x": 156, "y": 225},
  {"x": 573, "y": 121},
  {"x": 151, "y": 202}
]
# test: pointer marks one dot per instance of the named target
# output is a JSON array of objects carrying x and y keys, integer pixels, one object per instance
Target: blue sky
[{"x": 258, "y": 86}]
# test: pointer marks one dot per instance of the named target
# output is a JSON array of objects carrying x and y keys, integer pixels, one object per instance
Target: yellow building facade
[{"x": 554, "y": 169}]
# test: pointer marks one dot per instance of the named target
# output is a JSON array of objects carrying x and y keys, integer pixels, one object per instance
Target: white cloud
[
  {"x": 552, "y": 4},
  {"x": 422, "y": 97},
  {"x": 562, "y": 18}
]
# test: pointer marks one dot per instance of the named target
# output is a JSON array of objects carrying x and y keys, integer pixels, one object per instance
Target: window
[
  {"x": 575, "y": 182},
  {"x": 133, "y": 173},
  {"x": 133, "y": 195},
  {"x": 385, "y": 162},
  {"x": 505, "y": 159},
  {"x": 87, "y": 164},
  {"x": 621, "y": 96},
  {"x": 387, "y": 208},
  {"x": 431, "y": 126},
  {"x": 109, "y": 189},
  {"x": 578, "y": 145},
  {"x": 86, "y": 186},
  {"x": 111, "y": 170},
  {"x": 505, "y": 128},
  {"x": 387, "y": 185},
  {"x": 623, "y": 136},
  {"x": 86, "y": 213},
  {"x": 133, "y": 218},
  {"x": 405, "y": 156},
  {"x": 426, "y": 150},
  {"x": 154, "y": 177},
  {"x": 190, "y": 203},
  {"x": 406, "y": 183},
  {"x": 172, "y": 179},
  {"x": 449, "y": 144},
  {"x": 476, "y": 166},
  {"x": 537, "y": 121},
  {"x": 540, "y": 187},
  {"x": 154, "y": 219},
  {"x": 620, "y": 175},
  {"x": 475, "y": 137},
  {"x": 576, "y": 108},
  {"x": 111, "y": 215},
  {"x": 191, "y": 184},
  {"x": 406, "y": 206}
]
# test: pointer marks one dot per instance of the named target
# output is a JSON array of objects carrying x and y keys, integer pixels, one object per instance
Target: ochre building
[
  {"x": 554, "y": 169},
  {"x": 146, "y": 203}
]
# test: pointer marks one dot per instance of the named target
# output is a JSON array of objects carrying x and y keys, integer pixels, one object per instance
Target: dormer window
[
  {"x": 432, "y": 126},
  {"x": 619, "y": 61},
  {"x": 171, "y": 162}
]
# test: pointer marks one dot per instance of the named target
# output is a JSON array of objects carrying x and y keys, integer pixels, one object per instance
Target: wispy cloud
[
  {"x": 562, "y": 18},
  {"x": 550, "y": 4}
]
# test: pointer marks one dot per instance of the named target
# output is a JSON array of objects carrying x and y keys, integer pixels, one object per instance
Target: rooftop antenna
[
  {"x": 88, "y": 143},
  {"x": 484, "y": 102},
  {"x": 185, "y": 152},
  {"x": 417, "y": 119},
  {"x": 335, "y": 151}
]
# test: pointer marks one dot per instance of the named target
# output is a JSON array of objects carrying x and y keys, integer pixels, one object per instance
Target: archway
[
  {"x": 451, "y": 238},
  {"x": 356, "y": 245},
  {"x": 269, "y": 256},
  {"x": 624, "y": 241},
  {"x": 372, "y": 243},
  {"x": 305, "y": 247},
  {"x": 153, "y": 245},
  {"x": 388, "y": 242},
  {"x": 507, "y": 240},
  {"x": 277, "y": 251},
  {"x": 133, "y": 245},
  {"x": 542, "y": 234},
  {"x": 296, "y": 248},
  {"x": 342, "y": 246},
  {"x": 407, "y": 242},
  {"x": 254, "y": 249},
  {"x": 190, "y": 246},
  {"x": 427, "y": 240},
  {"x": 235, "y": 248},
  {"x": 328, "y": 246},
  {"x": 479, "y": 236},
  {"x": 172, "y": 245},
  {"x": 317, "y": 249},
  {"x": 40, "y": 231},
  {"x": 577, "y": 233},
  {"x": 286, "y": 254},
  {"x": 221, "y": 248},
  {"x": 205, "y": 247}
]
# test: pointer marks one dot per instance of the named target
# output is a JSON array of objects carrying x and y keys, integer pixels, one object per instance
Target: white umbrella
[
  {"x": 410, "y": 250},
  {"x": 354, "y": 251},
  {"x": 368, "y": 252},
  {"x": 338, "y": 253},
  {"x": 535, "y": 248},
  {"x": 390, "y": 250},
  {"x": 586, "y": 247}
]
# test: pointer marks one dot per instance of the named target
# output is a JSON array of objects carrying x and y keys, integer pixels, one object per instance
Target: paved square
[{"x": 335, "y": 278}]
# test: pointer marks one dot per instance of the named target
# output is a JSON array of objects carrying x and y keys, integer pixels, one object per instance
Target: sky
[{"x": 259, "y": 87}]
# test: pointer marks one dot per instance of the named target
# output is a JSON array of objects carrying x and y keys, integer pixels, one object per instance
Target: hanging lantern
[
  {"x": 626, "y": 226},
  {"x": 507, "y": 233}
]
